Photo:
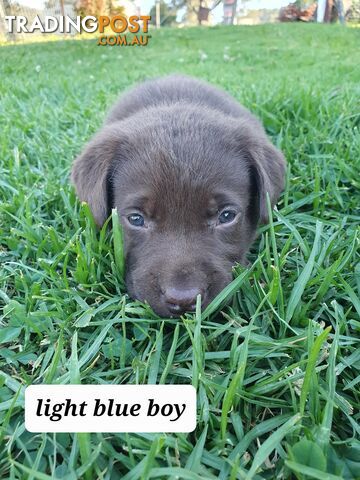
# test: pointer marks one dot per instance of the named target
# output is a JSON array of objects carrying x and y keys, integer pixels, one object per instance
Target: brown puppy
[{"x": 188, "y": 170}]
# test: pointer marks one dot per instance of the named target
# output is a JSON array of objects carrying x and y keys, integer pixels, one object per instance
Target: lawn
[{"x": 277, "y": 371}]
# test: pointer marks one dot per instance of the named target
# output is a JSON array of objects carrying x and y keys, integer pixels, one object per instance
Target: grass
[{"x": 278, "y": 371}]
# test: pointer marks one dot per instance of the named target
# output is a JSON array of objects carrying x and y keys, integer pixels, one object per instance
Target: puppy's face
[
  {"x": 190, "y": 190},
  {"x": 183, "y": 229}
]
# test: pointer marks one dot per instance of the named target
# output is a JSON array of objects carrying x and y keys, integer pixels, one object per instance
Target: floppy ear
[
  {"x": 91, "y": 173},
  {"x": 269, "y": 168}
]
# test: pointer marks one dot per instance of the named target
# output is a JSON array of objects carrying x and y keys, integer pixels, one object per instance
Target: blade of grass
[
  {"x": 228, "y": 291},
  {"x": 323, "y": 436},
  {"x": 304, "y": 277},
  {"x": 155, "y": 358},
  {"x": 309, "y": 371},
  {"x": 170, "y": 356},
  {"x": 270, "y": 444},
  {"x": 118, "y": 244},
  {"x": 194, "y": 461},
  {"x": 55, "y": 361},
  {"x": 311, "y": 472}
]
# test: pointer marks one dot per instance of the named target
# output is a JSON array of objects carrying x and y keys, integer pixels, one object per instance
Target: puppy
[{"x": 188, "y": 169}]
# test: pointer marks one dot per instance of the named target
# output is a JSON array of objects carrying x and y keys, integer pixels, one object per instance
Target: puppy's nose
[{"x": 180, "y": 300}]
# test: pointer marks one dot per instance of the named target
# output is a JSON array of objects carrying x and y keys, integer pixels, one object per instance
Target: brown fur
[{"x": 179, "y": 151}]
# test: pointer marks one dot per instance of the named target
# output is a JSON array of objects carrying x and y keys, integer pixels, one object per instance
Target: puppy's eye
[
  {"x": 227, "y": 216},
  {"x": 136, "y": 220}
]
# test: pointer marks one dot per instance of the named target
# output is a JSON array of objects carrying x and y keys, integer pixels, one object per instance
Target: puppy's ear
[
  {"x": 91, "y": 172},
  {"x": 269, "y": 166}
]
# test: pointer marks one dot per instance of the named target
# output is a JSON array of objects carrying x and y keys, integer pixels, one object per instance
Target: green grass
[{"x": 278, "y": 371}]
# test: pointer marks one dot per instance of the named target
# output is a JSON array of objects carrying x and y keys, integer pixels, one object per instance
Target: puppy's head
[{"x": 190, "y": 189}]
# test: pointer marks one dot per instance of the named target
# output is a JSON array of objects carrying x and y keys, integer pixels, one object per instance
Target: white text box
[{"x": 110, "y": 408}]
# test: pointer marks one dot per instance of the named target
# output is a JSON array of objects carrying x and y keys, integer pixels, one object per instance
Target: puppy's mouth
[
  {"x": 181, "y": 300},
  {"x": 174, "y": 301}
]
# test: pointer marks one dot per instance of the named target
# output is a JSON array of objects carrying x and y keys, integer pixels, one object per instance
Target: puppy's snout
[{"x": 180, "y": 300}]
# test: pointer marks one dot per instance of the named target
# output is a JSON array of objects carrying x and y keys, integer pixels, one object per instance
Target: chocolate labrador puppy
[{"x": 188, "y": 169}]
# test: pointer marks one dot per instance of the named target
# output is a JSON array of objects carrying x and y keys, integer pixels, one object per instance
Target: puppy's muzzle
[{"x": 180, "y": 300}]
